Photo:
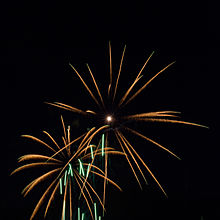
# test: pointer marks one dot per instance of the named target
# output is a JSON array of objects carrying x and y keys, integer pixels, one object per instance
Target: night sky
[{"x": 39, "y": 42}]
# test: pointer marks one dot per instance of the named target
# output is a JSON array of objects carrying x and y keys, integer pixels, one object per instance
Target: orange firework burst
[
  {"x": 71, "y": 166},
  {"x": 109, "y": 113}
]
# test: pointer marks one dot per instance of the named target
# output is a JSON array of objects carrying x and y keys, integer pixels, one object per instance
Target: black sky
[{"x": 39, "y": 41}]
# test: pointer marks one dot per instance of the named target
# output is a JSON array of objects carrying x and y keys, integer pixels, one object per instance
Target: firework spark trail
[
  {"x": 59, "y": 168},
  {"x": 119, "y": 73},
  {"x": 148, "y": 82},
  {"x": 110, "y": 71},
  {"x": 117, "y": 123}
]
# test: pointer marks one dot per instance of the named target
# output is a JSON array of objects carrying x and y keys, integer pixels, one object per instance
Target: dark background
[{"x": 39, "y": 41}]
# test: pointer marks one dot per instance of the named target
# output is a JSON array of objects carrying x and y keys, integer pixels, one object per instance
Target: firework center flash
[{"x": 109, "y": 119}]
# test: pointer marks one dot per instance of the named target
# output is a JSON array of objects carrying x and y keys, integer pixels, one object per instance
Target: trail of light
[
  {"x": 110, "y": 65},
  {"x": 53, "y": 140},
  {"x": 128, "y": 91},
  {"x": 87, "y": 174},
  {"x": 97, "y": 88},
  {"x": 148, "y": 169},
  {"x": 126, "y": 143},
  {"x": 142, "y": 88},
  {"x": 38, "y": 140},
  {"x": 78, "y": 213},
  {"x": 95, "y": 211},
  {"x": 36, "y": 157},
  {"x": 120, "y": 143},
  {"x": 92, "y": 156},
  {"x": 173, "y": 121},
  {"x": 65, "y": 178},
  {"x": 75, "y": 173},
  {"x": 119, "y": 73},
  {"x": 61, "y": 187},
  {"x": 90, "y": 92},
  {"x": 152, "y": 141},
  {"x": 94, "y": 192},
  {"x": 67, "y": 146},
  {"x": 70, "y": 170},
  {"x": 103, "y": 144},
  {"x": 70, "y": 197},
  {"x": 51, "y": 198},
  {"x": 67, "y": 107},
  {"x": 81, "y": 167},
  {"x": 38, "y": 180}
]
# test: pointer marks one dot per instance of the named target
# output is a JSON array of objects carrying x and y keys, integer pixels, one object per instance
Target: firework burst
[
  {"x": 109, "y": 113},
  {"x": 72, "y": 168}
]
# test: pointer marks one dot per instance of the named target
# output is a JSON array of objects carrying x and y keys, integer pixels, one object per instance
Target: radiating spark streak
[
  {"x": 38, "y": 140},
  {"x": 36, "y": 157},
  {"x": 81, "y": 167},
  {"x": 65, "y": 178},
  {"x": 91, "y": 148},
  {"x": 128, "y": 91},
  {"x": 95, "y": 210},
  {"x": 64, "y": 201},
  {"x": 86, "y": 137},
  {"x": 38, "y": 180},
  {"x": 67, "y": 107},
  {"x": 106, "y": 173},
  {"x": 92, "y": 135},
  {"x": 120, "y": 143},
  {"x": 93, "y": 166},
  {"x": 64, "y": 141},
  {"x": 68, "y": 139},
  {"x": 91, "y": 94},
  {"x": 53, "y": 140},
  {"x": 61, "y": 187},
  {"x": 33, "y": 165},
  {"x": 172, "y": 121},
  {"x": 87, "y": 202},
  {"x": 145, "y": 64},
  {"x": 64, "y": 128},
  {"x": 135, "y": 81},
  {"x": 100, "y": 153},
  {"x": 103, "y": 144},
  {"x": 51, "y": 199},
  {"x": 126, "y": 144},
  {"x": 110, "y": 65},
  {"x": 91, "y": 112},
  {"x": 70, "y": 170},
  {"x": 42, "y": 199},
  {"x": 119, "y": 73},
  {"x": 109, "y": 180},
  {"x": 142, "y": 88},
  {"x": 152, "y": 141},
  {"x": 93, "y": 190},
  {"x": 97, "y": 88},
  {"x": 70, "y": 197},
  {"x": 80, "y": 178},
  {"x": 66, "y": 146},
  {"x": 78, "y": 213},
  {"x": 87, "y": 173},
  {"x": 151, "y": 114},
  {"x": 147, "y": 169}
]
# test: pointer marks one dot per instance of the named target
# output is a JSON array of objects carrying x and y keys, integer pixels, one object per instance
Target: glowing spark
[{"x": 109, "y": 118}]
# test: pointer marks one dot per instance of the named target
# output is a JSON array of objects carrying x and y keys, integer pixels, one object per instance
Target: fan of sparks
[
  {"x": 108, "y": 113},
  {"x": 71, "y": 165}
]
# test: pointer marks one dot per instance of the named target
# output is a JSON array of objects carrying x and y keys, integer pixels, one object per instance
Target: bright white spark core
[{"x": 109, "y": 118}]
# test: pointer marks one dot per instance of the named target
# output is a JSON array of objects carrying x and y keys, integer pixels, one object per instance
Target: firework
[
  {"x": 72, "y": 168},
  {"x": 109, "y": 113}
]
